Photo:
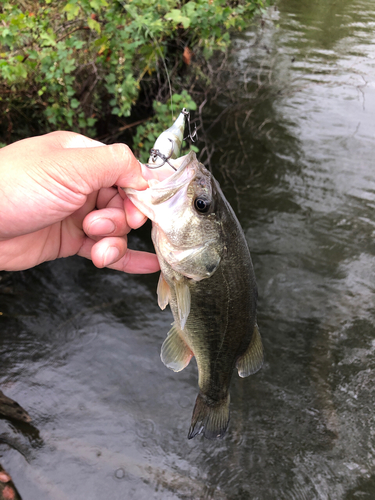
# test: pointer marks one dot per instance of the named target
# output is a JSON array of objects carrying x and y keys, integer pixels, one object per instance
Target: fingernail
[
  {"x": 4, "y": 477},
  {"x": 110, "y": 256},
  {"x": 9, "y": 493},
  {"x": 101, "y": 226}
]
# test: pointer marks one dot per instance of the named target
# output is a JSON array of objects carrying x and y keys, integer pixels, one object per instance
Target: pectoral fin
[
  {"x": 163, "y": 292},
  {"x": 252, "y": 360},
  {"x": 175, "y": 354},
  {"x": 183, "y": 302}
]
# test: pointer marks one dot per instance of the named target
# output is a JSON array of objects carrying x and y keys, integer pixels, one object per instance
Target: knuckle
[{"x": 120, "y": 152}]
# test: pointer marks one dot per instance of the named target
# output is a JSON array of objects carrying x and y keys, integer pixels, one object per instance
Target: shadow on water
[{"x": 290, "y": 138}]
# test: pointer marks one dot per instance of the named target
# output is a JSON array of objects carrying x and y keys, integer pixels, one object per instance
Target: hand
[{"x": 57, "y": 199}]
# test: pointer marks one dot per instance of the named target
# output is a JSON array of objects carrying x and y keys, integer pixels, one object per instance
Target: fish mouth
[
  {"x": 159, "y": 192},
  {"x": 164, "y": 190}
]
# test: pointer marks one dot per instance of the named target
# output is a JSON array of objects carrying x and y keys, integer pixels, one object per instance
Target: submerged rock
[{"x": 11, "y": 409}]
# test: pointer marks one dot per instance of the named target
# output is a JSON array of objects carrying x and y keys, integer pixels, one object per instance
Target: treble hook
[{"x": 156, "y": 152}]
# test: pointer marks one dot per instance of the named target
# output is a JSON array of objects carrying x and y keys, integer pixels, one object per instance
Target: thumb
[{"x": 84, "y": 165}]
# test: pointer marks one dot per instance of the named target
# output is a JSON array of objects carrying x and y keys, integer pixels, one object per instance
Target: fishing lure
[{"x": 168, "y": 145}]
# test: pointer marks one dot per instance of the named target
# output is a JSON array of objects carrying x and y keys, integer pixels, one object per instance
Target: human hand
[{"x": 57, "y": 199}]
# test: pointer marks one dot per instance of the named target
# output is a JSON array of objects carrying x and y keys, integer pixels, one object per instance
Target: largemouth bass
[{"x": 207, "y": 277}]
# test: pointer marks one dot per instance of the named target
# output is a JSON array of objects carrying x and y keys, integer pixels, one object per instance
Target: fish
[{"x": 207, "y": 278}]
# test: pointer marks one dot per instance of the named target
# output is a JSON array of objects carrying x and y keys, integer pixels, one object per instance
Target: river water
[{"x": 294, "y": 152}]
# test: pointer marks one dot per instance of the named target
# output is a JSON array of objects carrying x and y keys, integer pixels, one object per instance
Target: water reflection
[{"x": 293, "y": 150}]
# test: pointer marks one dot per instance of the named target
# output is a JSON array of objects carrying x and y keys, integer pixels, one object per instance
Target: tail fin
[{"x": 210, "y": 417}]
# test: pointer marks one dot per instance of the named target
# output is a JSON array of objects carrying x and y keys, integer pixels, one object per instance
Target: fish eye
[{"x": 202, "y": 205}]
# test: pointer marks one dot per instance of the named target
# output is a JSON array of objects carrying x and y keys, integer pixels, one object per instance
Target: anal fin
[
  {"x": 175, "y": 354},
  {"x": 252, "y": 360}
]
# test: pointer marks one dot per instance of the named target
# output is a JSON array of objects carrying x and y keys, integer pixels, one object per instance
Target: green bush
[{"x": 71, "y": 64}]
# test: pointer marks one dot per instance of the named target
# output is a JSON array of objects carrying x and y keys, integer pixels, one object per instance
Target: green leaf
[
  {"x": 69, "y": 66},
  {"x": 177, "y": 17},
  {"x": 94, "y": 25},
  {"x": 48, "y": 39},
  {"x": 74, "y": 103},
  {"x": 110, "y": 78},
  {"x": 97, "y": 4},
  {"x": 72, "y": 10},
  {"x": 79, "y": 44},
  {"x": 190, "y": 8}
]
